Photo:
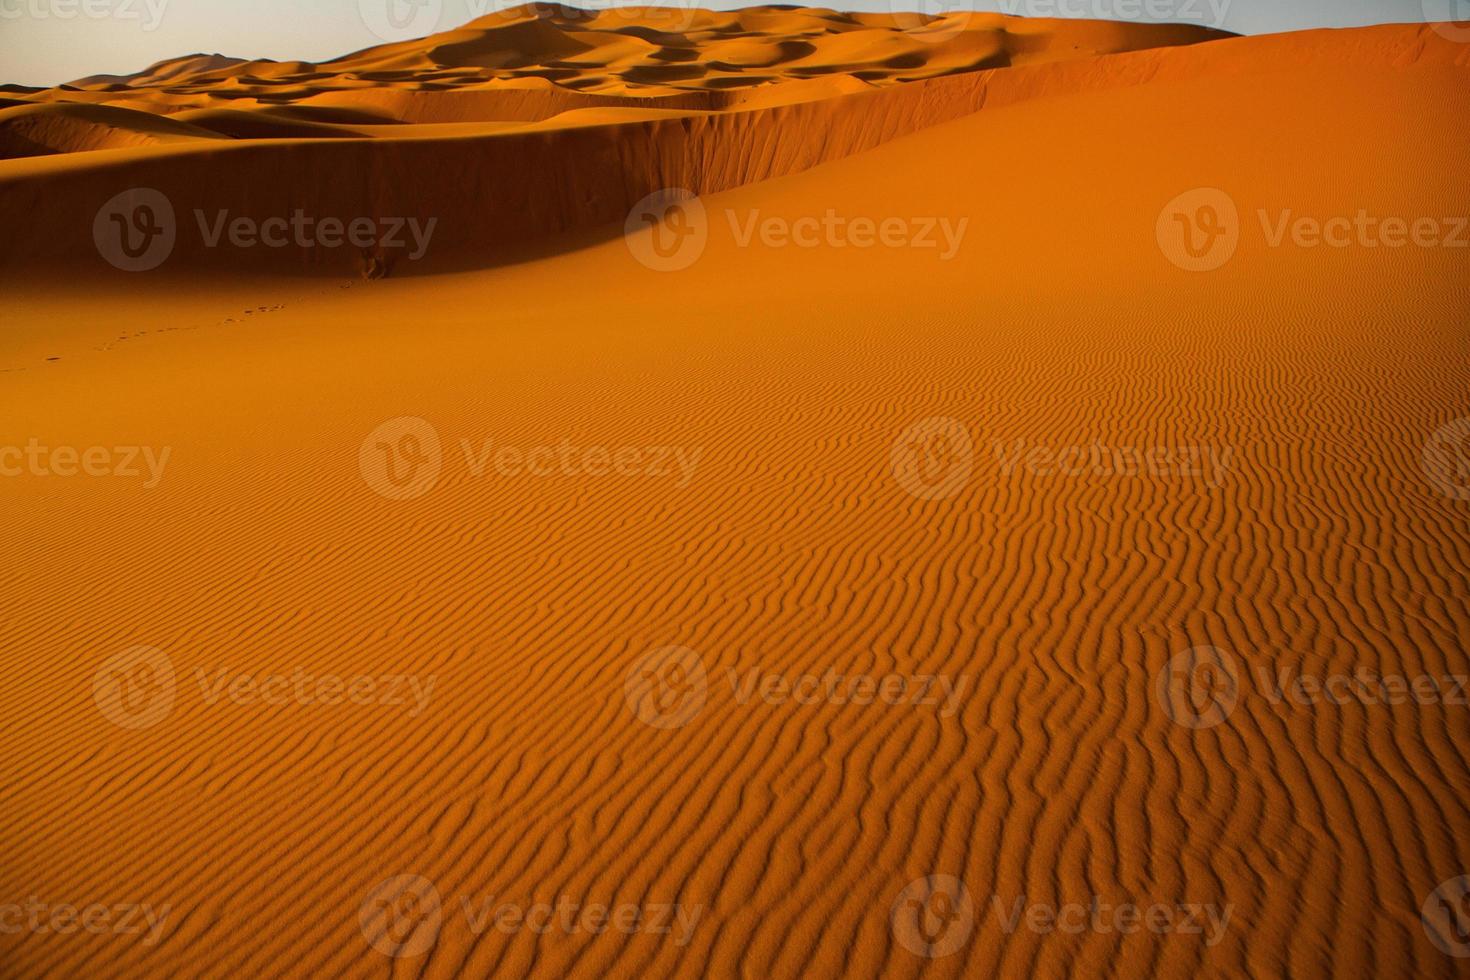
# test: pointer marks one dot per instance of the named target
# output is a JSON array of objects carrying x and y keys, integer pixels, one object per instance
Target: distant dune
[
  {"x": 602, "y": 499},
  {"x": 503, "y": 156},
  {"x": 650, "y": 58},
  {"x": 518, "y": 112}
]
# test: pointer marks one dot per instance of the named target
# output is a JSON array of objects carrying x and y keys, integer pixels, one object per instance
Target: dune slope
[
  {"x": 495, "y": 190},
  {"x": 1307, "y": 536}
]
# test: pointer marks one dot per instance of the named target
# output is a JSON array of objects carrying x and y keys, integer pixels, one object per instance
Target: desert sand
[{"x": 574, "y": 639}]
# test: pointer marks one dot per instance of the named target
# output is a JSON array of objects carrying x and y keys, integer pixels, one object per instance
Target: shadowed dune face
[
  {"x": 677, "y": 58},
  {"x": 561, "y": 155},
  {"x": 523, "y": 124}
]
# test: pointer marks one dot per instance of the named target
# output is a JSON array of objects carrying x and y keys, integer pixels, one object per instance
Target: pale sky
[{"x": 46, "y": 42}]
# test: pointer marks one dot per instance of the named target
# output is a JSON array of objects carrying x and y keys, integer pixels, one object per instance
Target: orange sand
[{"x": 794, "y": 545}]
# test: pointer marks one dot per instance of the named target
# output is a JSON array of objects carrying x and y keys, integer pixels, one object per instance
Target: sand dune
[
  {"x": 574, "y": 59},
  {"x": 807, "y": 537},
  {"x": 497, "y": 190}
]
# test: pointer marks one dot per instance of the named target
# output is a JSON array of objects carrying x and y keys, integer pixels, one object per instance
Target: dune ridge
[
  {"x": 494, "y": 195},
  {"x": 535, "y": 61}
]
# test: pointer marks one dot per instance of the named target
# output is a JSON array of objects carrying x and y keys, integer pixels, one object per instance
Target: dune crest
[
  {"x": 653, "y": 57},
  {"x": 557, "y": 161}
]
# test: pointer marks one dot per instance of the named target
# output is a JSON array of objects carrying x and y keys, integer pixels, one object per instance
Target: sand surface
[{"x": 843, "y": 461}]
